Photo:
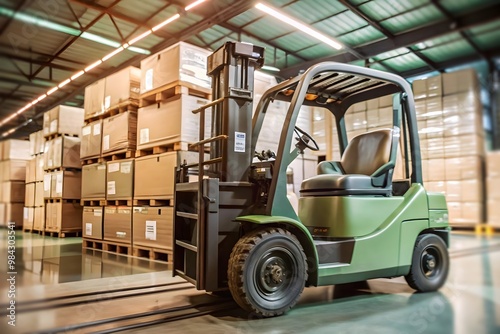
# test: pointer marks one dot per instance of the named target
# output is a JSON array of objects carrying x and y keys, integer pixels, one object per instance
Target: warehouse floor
[{"x": 97, "y": 286}]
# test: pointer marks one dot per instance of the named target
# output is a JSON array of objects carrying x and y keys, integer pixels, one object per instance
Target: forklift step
[{"x": 334, "y": 251}]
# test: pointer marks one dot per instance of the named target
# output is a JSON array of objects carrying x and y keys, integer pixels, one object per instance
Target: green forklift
[{"x": 234, "y": 227}]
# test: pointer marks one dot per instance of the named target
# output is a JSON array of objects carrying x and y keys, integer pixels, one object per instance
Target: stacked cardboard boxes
[
  {"x": 62, "y": 177},
  {"x": 34, "y": 210},
  {"x": 109, "y": 138},
  {"x": 449, "y": 114},
  {"x": 14, "y": 157},
  {"x": 493, "y": 188}
]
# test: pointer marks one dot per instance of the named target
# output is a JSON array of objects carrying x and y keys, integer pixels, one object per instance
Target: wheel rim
[
  {"x": 275, "y": 273},
  {"x": 430, "y": 262}
]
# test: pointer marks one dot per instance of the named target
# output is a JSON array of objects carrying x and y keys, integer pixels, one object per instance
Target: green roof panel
[
  {"x": 382, "y": 9},
  {"x": 413, "y": 19},
  {"x": 361, "y": 36},
  {"x": 449, "y": 51}
]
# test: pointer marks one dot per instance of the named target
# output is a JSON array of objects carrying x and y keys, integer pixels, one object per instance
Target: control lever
[{"x": 265, "y": 155}]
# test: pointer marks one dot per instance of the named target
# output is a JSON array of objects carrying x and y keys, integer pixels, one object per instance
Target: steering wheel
[{"x": 305, "y": 138}]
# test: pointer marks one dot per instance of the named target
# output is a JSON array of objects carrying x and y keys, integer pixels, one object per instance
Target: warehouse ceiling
[{"x": 45, "y": 42}]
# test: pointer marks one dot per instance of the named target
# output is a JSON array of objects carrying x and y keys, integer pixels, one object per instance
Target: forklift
[{"x": 234, "y": 227}]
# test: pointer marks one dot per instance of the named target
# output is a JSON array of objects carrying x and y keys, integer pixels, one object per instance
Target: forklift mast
[{"x": 204, "y": 212}]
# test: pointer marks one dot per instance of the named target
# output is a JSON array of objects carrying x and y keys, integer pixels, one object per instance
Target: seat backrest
[{"x": 367, "y": 152}]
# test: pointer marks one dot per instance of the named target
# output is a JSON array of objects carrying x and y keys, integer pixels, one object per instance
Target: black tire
[
  {"x": 267, "y": 271},
  {"x": 430, "y": 264}
]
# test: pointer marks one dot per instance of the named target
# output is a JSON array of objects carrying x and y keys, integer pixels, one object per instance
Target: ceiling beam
[
  {"x": 452, "y": 63},
  {"x": 38, "y": 62},
  {"x": 464, "y": 21}
]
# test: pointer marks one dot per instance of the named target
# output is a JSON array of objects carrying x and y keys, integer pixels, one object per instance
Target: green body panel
[
  {"x": 409, "y": 232},
  {"x": 378, "y": 254},
  {"x": 438, "y": 210},
  {"x": 347, "y": 216}
]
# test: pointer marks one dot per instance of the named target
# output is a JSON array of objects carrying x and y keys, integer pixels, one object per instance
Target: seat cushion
[{"x": 335, "y": 184}]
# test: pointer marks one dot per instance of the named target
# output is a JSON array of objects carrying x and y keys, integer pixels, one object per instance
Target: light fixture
[
  {"x": 37, "y": 21},
  {"x": 55, "y": 26},
  {"x": 270, "y": 68},
  {"x": 298, "y": 25},
  {"x": 194, "y": 4}
]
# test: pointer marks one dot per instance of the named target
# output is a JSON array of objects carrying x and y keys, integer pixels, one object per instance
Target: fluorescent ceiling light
[
  {"x": 298, "y": 25},
  {"x": 164, "y": 23},
  {"x": 34, "y": 20},
  {"x": 270, "y": 68},
  {"x": 68, "y": 30},
  {"x": 194, "y": 4}
]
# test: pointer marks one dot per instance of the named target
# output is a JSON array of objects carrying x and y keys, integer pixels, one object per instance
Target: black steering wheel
[{"x": 304, "y": 138}]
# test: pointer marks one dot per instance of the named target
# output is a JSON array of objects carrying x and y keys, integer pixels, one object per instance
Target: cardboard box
[
  {"x": 436, "y": 187},
  {"x": 120, "y": 179},
  {"x": 13, "y": 192},
  {"x": 15, "y": 149},
  {"x": 463, "y": 168},
  {"x": 385, "y": 101},
  {"x": 180, "y": 62},
  {"x": 39, "y": 171},
  {"x": 66, "y": 184},
  {"x": 39, "y": 194},
  {"x": 171, "y": 122},
  {"x": 122, "y": 86},
  {"x": 472, "y": 190},
  {"x": 94, "y": 99},
  {"x": 454, "y": 212},
  {"x": 434, "y": 127},
  {"x": 91, "y": 140},
  {"x": 64, "y": 152},
  {"x": 152, "y": 227},
  {"x": 119, "y": 132},
  {"x": 63, "y": 120},
  {"x": 434, "y": 86},
  {"x": 154, "y": 174},
  {"x": 472, "y": 212},
  {"x": 360, "y": 106},
  {"x": 454, "y": 191},
  {"x": 435, "y": 148},
  {"x": 434, "y": 107},
  {"x": 39, "y": 222},
  {"x": 94, "y": 181},
  {"x": 63, "y": 217},
  {"x": 467, "y": 145},
  {"x": 33, "y": 143},
  {"x": 460, "y": 81},
  {"x": 493, "y": 213},
  {"x": 493, "y": 164},
  {"x": 493, "y": 189},
  {"x": 31, "y": 170},
  {"x": 118, "y": 224},
  {"x": 29, "y": 198},
  {"x": 47, "y": 185},
  {"x": 436, "y": 170},
  {"x": 92, "y": 222},
  {"x": 12, "y": 213},
  {"x": 419, "y": 89},
  {"x": 28, "y": 218}
]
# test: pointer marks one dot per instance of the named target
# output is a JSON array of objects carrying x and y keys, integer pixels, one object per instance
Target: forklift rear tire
[
  {"x": 430, "y": 264},
  {"x": 267, "y": 271}
]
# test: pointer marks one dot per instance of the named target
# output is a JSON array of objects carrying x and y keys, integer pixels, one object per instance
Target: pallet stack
[
  {"x": 14, "y": 157},
  {"x": 107, "y": 152},
  {"x": 173, "y": 83},
  {"x": 34, "y": 208},
  {"x": 451, "y": 133},
  {"x": 62, "y": 177},
  {"x": 493, "y": 188}
]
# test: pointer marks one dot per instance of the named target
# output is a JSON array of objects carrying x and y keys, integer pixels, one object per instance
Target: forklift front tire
[
  {"x": 430, "y": 264},
  {"x": 267, "y": 271}
]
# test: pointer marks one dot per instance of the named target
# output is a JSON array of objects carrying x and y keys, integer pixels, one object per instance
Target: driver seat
[{"x": 366, "y": 168}]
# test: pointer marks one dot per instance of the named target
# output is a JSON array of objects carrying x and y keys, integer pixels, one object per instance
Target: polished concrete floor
[{"x": 50, "y": 268}]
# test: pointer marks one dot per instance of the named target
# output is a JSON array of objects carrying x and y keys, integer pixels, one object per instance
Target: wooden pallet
[
  {"x": 28, "y": 230},
  {"x": 62, "y": 200},
  {"x": 107, "y": 246},
  {"x": 170, "y": 90},
  {"x": 63, "y": 234},
  {"x": 57, "y": 135},
  {"x": 39, "y": 232},
  {"x": 93, "y": 202},
  {"x": 59, "y": 169},
  {"x": 92, "y": 160},
  {"x": 118, "y": 202},
  {"x": 129, "y": 105},
  {"x": 153, "y": 254},
  {"x": 486, "y": 229},
  {"x": 163, "y": 148},
  {"x": 119, "y": 155},
  {"x": 153, "y": 202}
]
